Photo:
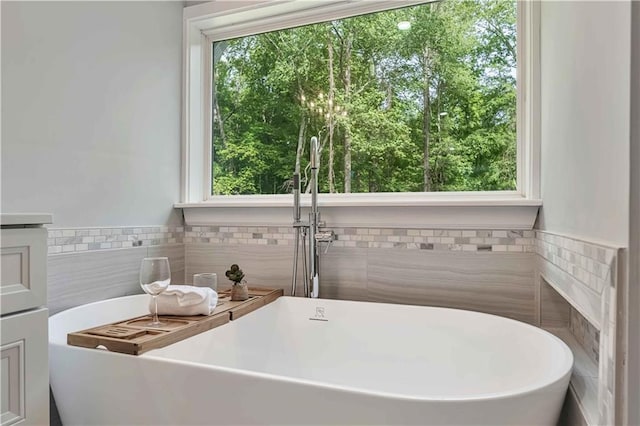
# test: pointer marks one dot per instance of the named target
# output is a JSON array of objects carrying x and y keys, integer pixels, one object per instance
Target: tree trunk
[
  {"x": 426, "y": 115},
  {"x": 218, "y": 50},
  {"x": 217, "y": 116},
  {"x": 347, "y": 126},
  {"x": 300, "y": 149},
  {"x": 331, "y": 106}
]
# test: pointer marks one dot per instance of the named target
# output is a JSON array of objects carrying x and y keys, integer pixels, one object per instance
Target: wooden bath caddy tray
[{"x": 132, "y": 337}]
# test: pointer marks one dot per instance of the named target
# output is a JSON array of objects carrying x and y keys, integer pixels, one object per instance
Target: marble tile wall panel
[
  {"x": 555, "y": 311},
  {"x": 344, "y": 274},
  {"x": 581, "y": 297},
  {"x": 175, "y": 253},
  {"x": 205, "y": 258},
  {"x": 492, "y": 283},
  {"x": 84, "y": 277},
  {"x": 499, "y": 284},
  {"x": 263, "y": 266},
  {"x": 79, "y": 278}
]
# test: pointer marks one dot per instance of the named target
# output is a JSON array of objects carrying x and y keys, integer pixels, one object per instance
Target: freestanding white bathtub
[{"x": 315, "y": 361}]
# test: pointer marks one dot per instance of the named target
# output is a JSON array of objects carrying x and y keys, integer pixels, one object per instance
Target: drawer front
[
  {"x": 24, "y": 369},
  {"x": 23, "y": 283}
]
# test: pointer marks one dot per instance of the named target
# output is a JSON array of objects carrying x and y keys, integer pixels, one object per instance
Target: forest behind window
[{"x": 416, "y": 99}]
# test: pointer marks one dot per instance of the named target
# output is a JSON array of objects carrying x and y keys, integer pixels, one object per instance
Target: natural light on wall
[{"x": 416, "y": 99}]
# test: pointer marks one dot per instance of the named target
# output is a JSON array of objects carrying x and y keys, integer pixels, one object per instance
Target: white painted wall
[
  {"x": 91, "y": 111},
  {"x": 585, "y": 81}
]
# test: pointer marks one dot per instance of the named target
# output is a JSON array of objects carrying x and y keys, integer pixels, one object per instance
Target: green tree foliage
[{"x": 429, "y": 108}]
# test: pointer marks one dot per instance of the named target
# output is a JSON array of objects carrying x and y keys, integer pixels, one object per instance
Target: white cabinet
[{"x": 24, "y": 369}]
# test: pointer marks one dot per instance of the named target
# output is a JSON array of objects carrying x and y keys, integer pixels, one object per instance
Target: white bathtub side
[{"x": 98, "y": 387}]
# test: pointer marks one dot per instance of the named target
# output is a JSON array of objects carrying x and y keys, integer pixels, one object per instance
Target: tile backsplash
[
  {"x": 413, "y": 239},
  {"x": 69, "y": 240},
  {"x": 482, "y": 270},
  {"x": 490, "y": 271},
  {"x": 90, "y": 264},
  {"x": 592, "y": 264}
]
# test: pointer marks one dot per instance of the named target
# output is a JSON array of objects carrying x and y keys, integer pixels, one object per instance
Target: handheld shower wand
[{"x": 296, "y": 225}]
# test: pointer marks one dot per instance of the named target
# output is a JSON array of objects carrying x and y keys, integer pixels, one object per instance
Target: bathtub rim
[{"x": 517, "y": 392}]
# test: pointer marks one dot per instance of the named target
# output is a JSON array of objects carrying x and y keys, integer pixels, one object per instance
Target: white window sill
[{"x": 439, "y": 211}]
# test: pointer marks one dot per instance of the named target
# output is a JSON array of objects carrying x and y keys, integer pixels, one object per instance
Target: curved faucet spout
[{"x": 314, "y": 152}]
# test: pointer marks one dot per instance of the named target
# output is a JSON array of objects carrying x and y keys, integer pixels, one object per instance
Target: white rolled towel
[{"x": 185, "y": 300}]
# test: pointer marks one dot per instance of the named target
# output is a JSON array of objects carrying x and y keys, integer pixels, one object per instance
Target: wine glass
[{"x": 155, "y": 276}]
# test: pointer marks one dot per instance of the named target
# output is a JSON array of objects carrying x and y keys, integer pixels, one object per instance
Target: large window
[{"x": 418, "y": 99}]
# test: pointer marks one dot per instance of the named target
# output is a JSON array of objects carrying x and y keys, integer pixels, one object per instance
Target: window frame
[{"x": 207, "y": 23}]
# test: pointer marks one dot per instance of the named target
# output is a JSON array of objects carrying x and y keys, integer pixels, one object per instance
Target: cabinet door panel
[
  {"x": 23, "y": 283},
  {"x": 12, "y": 391},
  {"x": 24, "y": 372}
]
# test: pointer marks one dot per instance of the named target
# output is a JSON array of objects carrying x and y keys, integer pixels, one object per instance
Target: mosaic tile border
[
  {"x": 594, "y": 266},
  {"x": 591, "y": 264},
  {"x": 72, "y": 240},
  {"x": 412, "y": 239},
  {"x": 586, "y": 334}
]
